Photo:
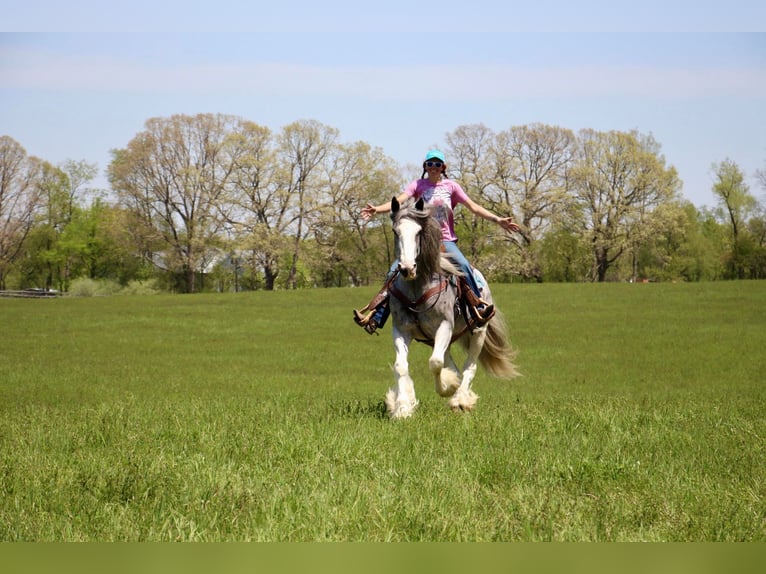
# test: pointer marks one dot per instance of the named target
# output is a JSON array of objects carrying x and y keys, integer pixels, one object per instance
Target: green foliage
[
  {"x": 259, "y": 416},
  {"x": 86, "y": 287},
  {"x": 740, "y": 210},
  {"x": 619, "y": 181},
  {"x": 592, "y": 206},
  {"x": 565, "y": 256},
  {"x": 135, "y": 287}
]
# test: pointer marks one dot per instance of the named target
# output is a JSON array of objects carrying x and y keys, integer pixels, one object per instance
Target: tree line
[{"x": 215, "y": 202}]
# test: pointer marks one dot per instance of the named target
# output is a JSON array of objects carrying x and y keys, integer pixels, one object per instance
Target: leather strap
[
  {"x": 435, "y": 290},
  {"x": 382, "y": 295}
]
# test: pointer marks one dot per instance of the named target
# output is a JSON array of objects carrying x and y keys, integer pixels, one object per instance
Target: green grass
[{"x": 641, "y": 415}]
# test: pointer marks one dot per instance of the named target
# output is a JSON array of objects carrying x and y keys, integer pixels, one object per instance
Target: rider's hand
[
  {"x": 368, "y": 212},
  {"x": 508, "y": 224}
]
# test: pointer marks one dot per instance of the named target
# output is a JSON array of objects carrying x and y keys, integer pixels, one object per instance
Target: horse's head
[{"x": 418, "y": 239}]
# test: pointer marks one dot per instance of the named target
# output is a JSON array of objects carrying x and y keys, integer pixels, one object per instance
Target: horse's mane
[{"x": 431, "y": 260}]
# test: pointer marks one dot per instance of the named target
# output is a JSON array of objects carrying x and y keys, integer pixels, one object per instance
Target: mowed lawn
[{"x": 640, "y": 415}]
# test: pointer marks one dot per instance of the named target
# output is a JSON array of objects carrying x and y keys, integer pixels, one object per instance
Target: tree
[
  {"x": 475, "y": 164},
  {"x": 519, "y": 172},
  {"x": 469, "y": 150},
  {"x": 674, "y": 247},
  {"x": 174, "y": 176},
  {"x": 259, "y": 214},
  {"x": 69, "y": 247},
  {"x": 760, "y": 175},
  {"x": 47, "y": 264},
  {"x": 303, "y": 146},
  {"x": 757, "y": 231},
  {"x": 533, "y": 161},
  {"x": 95, "y": 246},
  {"x": 617, "y": 179},
  {"x": 20, "y": 201},
  {"x": 79, "y": 174},
  {"x": 737, "y": 205},
  {"x": 563, "y": 256},
  {"x": 733, "y": 195},
  {"x": 349, "y": 249}
]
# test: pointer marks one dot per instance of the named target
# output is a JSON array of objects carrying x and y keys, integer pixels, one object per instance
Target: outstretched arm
[
  {"x": 370, "y": 210},
  {"x": 504, "y": 222}
]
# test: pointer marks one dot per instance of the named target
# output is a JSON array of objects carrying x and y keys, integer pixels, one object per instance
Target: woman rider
[{"x": 444, "y": 195}]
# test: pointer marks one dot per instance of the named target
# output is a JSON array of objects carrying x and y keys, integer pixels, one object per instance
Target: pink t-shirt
[{"x": 444, "y": 196}]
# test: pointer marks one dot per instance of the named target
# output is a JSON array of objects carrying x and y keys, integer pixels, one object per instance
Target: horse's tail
[{"x": 497, "y": 354}]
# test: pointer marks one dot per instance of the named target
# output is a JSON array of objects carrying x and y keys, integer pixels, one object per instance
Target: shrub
[
  {"x": 135, "y": 287},
  {"x": 86, "y": 287}
]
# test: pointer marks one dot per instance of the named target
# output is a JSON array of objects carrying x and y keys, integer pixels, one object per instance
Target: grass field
[{"x": 640, "y": 415}]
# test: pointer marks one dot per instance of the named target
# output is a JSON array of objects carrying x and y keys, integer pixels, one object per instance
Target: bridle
[{"x": 414, "y": 307}]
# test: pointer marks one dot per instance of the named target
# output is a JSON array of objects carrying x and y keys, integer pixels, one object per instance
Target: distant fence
[{"x": 31, "y": 293}]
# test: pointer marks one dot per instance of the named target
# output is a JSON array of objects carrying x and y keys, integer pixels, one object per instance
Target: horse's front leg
[
  {"x": 446, "y": 377},
  {"x": 400, "y": 399},
  {"x": 464, "y": 398}
]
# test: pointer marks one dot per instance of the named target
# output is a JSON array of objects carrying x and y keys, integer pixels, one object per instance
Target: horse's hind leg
[
  {"x": 400, "y": 399},
  {"x": 464, "y": 398}
]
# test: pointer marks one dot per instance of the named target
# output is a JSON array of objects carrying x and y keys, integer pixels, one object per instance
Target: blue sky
[{"x": 78, "y": 83}]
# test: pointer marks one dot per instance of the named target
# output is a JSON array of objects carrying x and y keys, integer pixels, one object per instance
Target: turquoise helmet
[{"x": 435, "y": 154}]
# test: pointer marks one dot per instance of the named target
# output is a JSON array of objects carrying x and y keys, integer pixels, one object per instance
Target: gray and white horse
[{"x": 423, "y": 305}]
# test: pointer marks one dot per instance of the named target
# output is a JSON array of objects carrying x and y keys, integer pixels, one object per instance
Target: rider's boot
[
  {"x": 480, "y": 310},
  {"x": 372, "y": 320}
]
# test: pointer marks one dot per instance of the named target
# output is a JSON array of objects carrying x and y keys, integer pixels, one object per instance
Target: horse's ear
[
  {"x": 394, "y": 205},
  {"x": 420, "y": 204}
]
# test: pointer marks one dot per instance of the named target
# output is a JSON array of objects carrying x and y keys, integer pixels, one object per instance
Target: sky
[{"x": 76, "y": 83}]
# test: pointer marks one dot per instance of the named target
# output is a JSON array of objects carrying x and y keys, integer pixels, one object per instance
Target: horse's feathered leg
[
  {"x": 449, "y": 381},
  {"x": 464, "y": 398},
  {"x": 446, "y": 380},
  {"x": 400, "y": 399}
]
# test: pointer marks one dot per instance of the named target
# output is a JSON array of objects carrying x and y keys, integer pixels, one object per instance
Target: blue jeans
[
  {"x": 382, "y": 311},
  {"x": 462, "y": 263}
]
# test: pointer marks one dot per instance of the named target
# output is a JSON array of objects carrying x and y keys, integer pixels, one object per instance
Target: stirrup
[
  {"x": 361, "y": 319},
  {"x": 366, "y": 322},
  {"x": 483, "y": 316}
]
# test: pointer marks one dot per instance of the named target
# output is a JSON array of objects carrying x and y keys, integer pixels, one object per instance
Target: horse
[{"x": 423, "y": 301}]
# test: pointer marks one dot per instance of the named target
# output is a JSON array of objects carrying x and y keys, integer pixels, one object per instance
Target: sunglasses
[{"x": 434, "y": 164}]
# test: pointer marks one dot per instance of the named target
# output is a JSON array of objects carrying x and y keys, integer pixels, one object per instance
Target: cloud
[{"x": 37, "y": 69}]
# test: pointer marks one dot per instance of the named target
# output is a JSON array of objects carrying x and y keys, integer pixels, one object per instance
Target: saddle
[{"x": 475, "y": 311}]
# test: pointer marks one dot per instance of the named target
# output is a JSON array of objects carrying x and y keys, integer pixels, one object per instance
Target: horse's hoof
[
  {"x": 461, "y": 408},
  {"x": 463, "y": 403},
  {"x": 402, "y": 412}
]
